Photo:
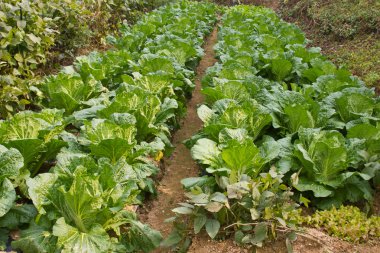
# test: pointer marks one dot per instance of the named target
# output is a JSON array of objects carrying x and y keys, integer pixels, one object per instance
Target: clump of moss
[{"x": 346, "y": 222}]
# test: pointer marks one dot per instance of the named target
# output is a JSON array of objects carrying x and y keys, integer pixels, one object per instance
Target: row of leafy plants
[
  {"x": 282, "y": 125},
  {"x": 32, "y": 32},
  {"x": 72, "y": 170}
]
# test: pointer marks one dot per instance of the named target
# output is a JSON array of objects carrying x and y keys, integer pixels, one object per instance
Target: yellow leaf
[{"x": 159, "y": 156}]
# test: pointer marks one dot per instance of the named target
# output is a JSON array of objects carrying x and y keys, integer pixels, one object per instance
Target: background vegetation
[
  {"x": 52, "y": 32},
  {"x": 348, "y": 32}
]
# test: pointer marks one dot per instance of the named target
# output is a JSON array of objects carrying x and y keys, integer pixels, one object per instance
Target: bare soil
[
  {"x": 180, "y": 165},
  {"x": 314, "y": 241}
]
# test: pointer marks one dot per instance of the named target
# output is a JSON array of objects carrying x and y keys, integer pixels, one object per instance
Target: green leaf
[
  {"x": 254, "y": 214},
  {"x": 281, "y": 68},
  {"x": 323, "y": 154},
  {"x": 195, "y": 181},
  {"x": 167, "y": 111},
  {"x": 219, "y": 197},
  {"x": 320, "y": 191},
  {"x": 212, "y": 227},
  {"x": 304, "y": 201},
  {"x": 34, "y": 135},
  {"x": 72, "y": 240},
  {"x": 154, "y": 63},
  {"x": 38, "y": 189},
  {"x": 243, "y": 157},
  {"x": 299, "y": 117},
  {"x": 199, "y": 222},
  {"x": 227, "y": 134},
  {"x": 11, "y": 161},
  {"x": 289, "y": 246},
  {"x": 261, "y": 231},
  {"x": 214, "y": 207},
  {"x": 292, "y": 236},
  {"x": 33, "y": 38},
  {"x": 144, "y": 237},
  {"x": 18, "y": 215},
  {"x": 36, "y": 239},
  {"x": 109, "y": 138},
  {"x": 183, "y": 210},
  {"x": 113, "y": 149},
  {"x": 364, "y": 131},
  {"x": 206, "y": 151},
  {"x": 68, "y": 91},
  {"x": 353, "y": 106},
  {"x": 7, "y": 196},
  {"x": 205, "y": 113},
  {"x": 173, "y": 239},
  {"x": 4, "y": 236},
  {"x": 238, "y": 237}
]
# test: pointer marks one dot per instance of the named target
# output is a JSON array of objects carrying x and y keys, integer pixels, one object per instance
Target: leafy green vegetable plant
[
  {"x": 11, "y": 161},
  {"x": 346, "y": 222},
  {"x": 281, "y": 125},
  {"x": 35, "y": 136},
  {"x": 90, "y": 154}
]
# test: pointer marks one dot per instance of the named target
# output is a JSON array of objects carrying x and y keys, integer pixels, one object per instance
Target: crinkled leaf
[
  {"x": 36, "y": 238},
  {"x": 11, "y": 161},
  {"x": 72, "y": 240},
  {"x": 7, "y": 196},
  {"x": 18, "y": 215},
  {"x": 206, "y": 151},
  {"x": 38, "y": 189}
]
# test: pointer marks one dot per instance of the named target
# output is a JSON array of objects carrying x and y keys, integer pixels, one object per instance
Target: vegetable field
[{"x": 289, "y": 141}]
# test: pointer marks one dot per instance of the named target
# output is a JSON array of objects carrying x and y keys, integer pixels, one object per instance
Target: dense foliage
[
  {"x": 72, "y": 171},
  {"x": 277, "y": 116},
  {"x": 32, "y": 32},
  {"x": 346, "y": 222}
]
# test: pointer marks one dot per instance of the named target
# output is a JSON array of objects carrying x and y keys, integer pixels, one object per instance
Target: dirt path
[{"x": 180, "y": 165}]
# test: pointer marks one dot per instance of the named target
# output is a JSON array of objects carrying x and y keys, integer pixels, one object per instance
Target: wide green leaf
[
  {"x": 36, "y": 238},
  {"x": 71, "y": 240},
  {"x": 11, "y": 161},
  {"x": 7, "y": 196},
  {"x": 207, "y": 152},
  {"x": 199, "y": 222},
  {"x": 242, "y": 158},
  {"x": 281, "y": 68},
  {"x": 212, "y": 227}
]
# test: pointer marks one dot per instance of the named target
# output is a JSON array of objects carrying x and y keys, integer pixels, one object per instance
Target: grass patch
[{"x": 362, "y": 57}]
